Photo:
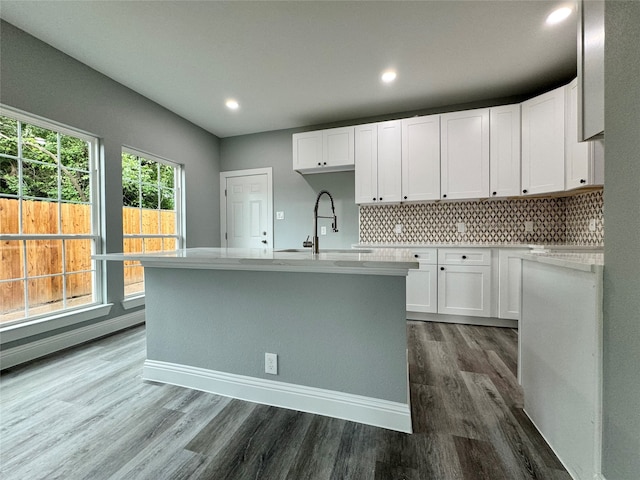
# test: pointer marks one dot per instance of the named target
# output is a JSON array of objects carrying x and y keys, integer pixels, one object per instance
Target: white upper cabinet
[
  {"x": 378, "y": 157},
  {"x": 421, "y": 158},
  {"x": 543, "y": 144},
  {"x": 584, "y": 162},
  {"x": 505, "y": 151},
  {"x": 464, "y": 154},
  {"x": 591, "y": 38},
  {"x": 320, "y": 151}
]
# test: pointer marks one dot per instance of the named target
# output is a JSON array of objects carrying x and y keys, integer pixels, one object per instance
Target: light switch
[{"x": 279, "y": 215}]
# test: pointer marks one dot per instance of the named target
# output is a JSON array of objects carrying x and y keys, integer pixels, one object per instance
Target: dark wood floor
[{"x": 86, "y": 414}]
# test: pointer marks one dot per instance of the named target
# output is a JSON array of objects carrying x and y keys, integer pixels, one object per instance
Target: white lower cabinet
[
  {"x": 464, "y": 282},
  {"x": 422, "y": 284},
  {"x": 464, "y": 290}
]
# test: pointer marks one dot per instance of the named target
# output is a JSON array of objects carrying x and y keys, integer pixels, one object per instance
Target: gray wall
[
  {"x": 621, "y": 456},
  {"x": 41, "y": 80}
]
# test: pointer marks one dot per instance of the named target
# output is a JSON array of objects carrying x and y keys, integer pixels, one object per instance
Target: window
[
  {"x": 49, "y": 219},
  {"x": 151, "y": 215}
]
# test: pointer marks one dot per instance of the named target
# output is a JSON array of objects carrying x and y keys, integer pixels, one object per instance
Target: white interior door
[{"x": 248, "y": 217}]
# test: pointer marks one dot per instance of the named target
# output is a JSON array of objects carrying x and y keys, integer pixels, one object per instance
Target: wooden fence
[{"x": 45, "y": 257}]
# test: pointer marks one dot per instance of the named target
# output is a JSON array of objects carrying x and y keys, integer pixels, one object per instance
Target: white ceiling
[{"x": 299, "y": 63}]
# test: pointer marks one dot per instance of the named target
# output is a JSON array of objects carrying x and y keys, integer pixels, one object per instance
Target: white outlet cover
[
  {"x": 271, "y": 363},
  {"x": 462, "y": 227},
  {"x": 279, "y": 215},
  {"x": 592, "y": 225},
  {"x": 399, "y": 228},
  {"x": 528, "y": 226},
  {"x": 323, "y": 230}
]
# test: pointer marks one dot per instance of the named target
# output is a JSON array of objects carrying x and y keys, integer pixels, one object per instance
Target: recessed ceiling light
[
  {"x": 232, "y": 104},
  {"x": 388, "y": 76},
  {"x": 559, "y": 15}
]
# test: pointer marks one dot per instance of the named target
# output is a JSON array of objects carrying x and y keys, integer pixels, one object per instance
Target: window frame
[
  {"x": 136, "y": 298},
  {"x": 73, "y": 314}
]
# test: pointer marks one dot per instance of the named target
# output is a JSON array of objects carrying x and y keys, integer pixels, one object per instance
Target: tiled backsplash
[{"x": 557, "y": 221}]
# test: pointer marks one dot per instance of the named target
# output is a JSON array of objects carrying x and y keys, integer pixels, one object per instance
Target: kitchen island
[{"x": 335, "y": 320}]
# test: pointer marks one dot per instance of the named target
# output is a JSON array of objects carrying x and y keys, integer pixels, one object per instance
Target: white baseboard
[
  {"x": 346, "y": 406},
  {"x": 466, "y": 320},
  {"x": 30, "y": 351}
]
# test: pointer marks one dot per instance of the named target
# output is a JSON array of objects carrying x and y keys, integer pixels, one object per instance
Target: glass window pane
[
  {"x": 79, "y": 289},
  {"x": 45, "y": 294},
  {"x": 167, "y": 176},
  {"x": 76, "y": 218},
  {"x": 75, "y": 186},
  {"x": 168, "y": 221},
  {"x": 39, "y": 217},
  {"x": 77, "y": 255},
  {"x": 130, "y": 220},
  {"x": 150, "y": 221},
  {"x": 149, "y": 196},
  {"x": 44, "y": 257},
  {"x": 132, "y": 245},
  {"x": 9, "y": 180},
  {"x": 40, "y": 180},
  {"x": 133, "y": 278},
  {"x": 12, "y": 258},
  {"x": 152, "y": 245},
  {"x": 8, "y": 136},
  {"x": 11, "y": 301},
  {"x": 167, "y": 199},
  {"x": 74, "y": 153},
  {"x": 148, "y": 171},
  {"x": 169, "y": 244},
  {"x": 9, "y": 215},
  {"x": 39, "y": 144}
]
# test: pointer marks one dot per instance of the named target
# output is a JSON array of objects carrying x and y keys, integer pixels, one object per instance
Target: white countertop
[
  {"x": 387, "y": 261},
  {"x": 584, "y": 261}
]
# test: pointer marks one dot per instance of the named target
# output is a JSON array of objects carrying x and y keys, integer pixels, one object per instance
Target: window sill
[
  {"x": 133, "y": 302},
  {"x": 54, "y": 322}
]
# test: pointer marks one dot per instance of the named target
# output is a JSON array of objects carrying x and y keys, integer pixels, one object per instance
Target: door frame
[{"x": 223, "y": 200}]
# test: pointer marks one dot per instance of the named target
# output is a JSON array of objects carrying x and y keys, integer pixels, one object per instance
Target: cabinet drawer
[
  {"x": 427, "y": 256},
  {"x": 462, "y": 256}
]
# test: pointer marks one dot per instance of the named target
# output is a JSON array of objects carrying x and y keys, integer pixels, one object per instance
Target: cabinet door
[
  {"x": 338, "y": 148},
  {"x": 505, "y": 132},
  {"x": 464, "y": 290},
  {"x": 307, "y": 150},
  {"x": 543, "y": 143},
  {"x": 389, "y": 162},
  {"x": 366, "y": 160},
  {"x": 421, "y": 158},
  {"x": 582, "y": 165},
  {"x": 422, "y": 289},
  {"x": 464, "y": 155},
  {"x": 510, "y": 283}
]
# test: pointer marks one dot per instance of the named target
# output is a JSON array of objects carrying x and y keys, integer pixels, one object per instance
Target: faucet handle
[{"x": 307, "y": 243}]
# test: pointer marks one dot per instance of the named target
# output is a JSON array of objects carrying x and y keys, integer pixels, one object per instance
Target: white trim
[
  {"x": 50, "y": 322},
  {"x": 223, "y": 199},
  {"x": 346, "y": 406},
  {"x": 24, "y": 353},
  {"x": 132, "y": 302},
  {"x": 463, "y": 319}
]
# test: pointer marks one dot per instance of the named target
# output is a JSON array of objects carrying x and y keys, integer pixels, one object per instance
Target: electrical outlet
[
  {"x": 462, "y": 227},
  {"x": 528, "y": 226},
  {"x": 279, "y": 215},
  {"x": 398, "y": 229},
  {"x": 323, "y": 230},
  {"x": 592, "y": 225},
  {"x": 271, "y": 363}
]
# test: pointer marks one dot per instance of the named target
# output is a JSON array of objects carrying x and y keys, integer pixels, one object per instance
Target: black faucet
[{"x": 334, "y": 225}]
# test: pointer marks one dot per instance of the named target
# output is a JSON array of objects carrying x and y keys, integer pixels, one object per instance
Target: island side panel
[{"x": 338, "y": 332}]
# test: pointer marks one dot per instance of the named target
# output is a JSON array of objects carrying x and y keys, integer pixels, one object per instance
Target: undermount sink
[{"x": 326, "y": 250}]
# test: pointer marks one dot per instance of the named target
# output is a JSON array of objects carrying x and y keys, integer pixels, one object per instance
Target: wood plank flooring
[{"x": 86, "y": 414}]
